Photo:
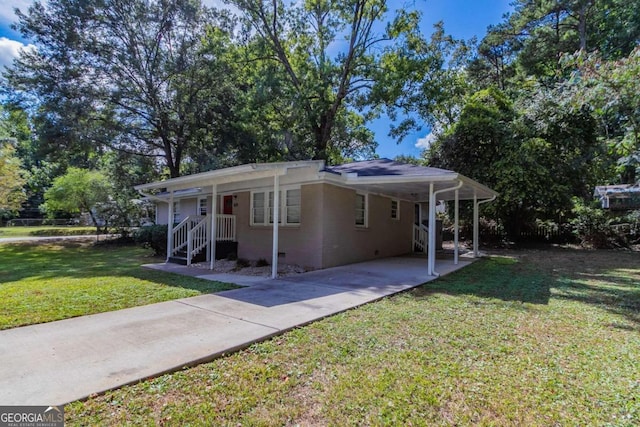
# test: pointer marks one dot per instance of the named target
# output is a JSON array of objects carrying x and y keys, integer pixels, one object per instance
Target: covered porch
[{"x": 360, "y": 208}]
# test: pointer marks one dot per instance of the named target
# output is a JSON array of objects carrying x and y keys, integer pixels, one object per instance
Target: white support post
[
  {"x": 214, "y": 231},
  {"x": 431, "y": 252},
  {"x": 456, "y": 228},
  {"x": 476, "y": 231},
  {"x": 276, "y": 219},
  {"x": 170, "y": 227}
]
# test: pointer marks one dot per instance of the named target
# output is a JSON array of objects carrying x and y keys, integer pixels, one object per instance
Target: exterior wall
[
  {"x": 345, "y": 243},
  {"x": 162, "y": 213},
  {"x": 187, "y": 207},
  {"x": 327, "y": 235},
  {"x": 300, "y": 244}
]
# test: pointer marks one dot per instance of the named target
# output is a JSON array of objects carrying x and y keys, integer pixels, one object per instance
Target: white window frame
[
  {"x": 285, "y": 206},
  {"x": 200, "y": 199},
  {"x": 365, "y": 209},
  {"x": 176, "y": 212},
  {"x": 396, "y": 210},
  {"x": 267, "y": 215}
]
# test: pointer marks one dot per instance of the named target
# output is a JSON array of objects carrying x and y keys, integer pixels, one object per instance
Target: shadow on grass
[
  {"x": 498, "y": 277},
  {"x": 607, "y": 279},
  {"x": 82, "y": 260}
]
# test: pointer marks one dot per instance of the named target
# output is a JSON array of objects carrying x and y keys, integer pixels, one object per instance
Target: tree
[
  {"x": 422, "y": 79},
  {"x": 78, "y": 191},
  {"x": 537, "y": 155},
  {"x": 539, "y": 32},
  {"x": 12, "y": 177},
  {"x": 612, "y": 89},
  {"x": 127, "y": 75},
  {"x": 321, "y": 77}
]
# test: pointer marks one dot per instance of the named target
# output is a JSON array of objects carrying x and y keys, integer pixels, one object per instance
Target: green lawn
[
  {"x": 45, "y": 282},
  {"x": 536, "y": 338},
  {"x": 45, "y": 230}
]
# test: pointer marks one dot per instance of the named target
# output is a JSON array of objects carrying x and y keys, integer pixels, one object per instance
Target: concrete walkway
[{"x": 59, "y": 362}]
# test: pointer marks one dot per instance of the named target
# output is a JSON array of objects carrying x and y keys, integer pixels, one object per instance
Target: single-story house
[
  {"x": 324, "y": 215},
  {"x": 618, "y": 197}
]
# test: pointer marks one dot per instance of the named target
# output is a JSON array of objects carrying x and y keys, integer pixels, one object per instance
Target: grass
[
  {"x": 534, "y": 338},
  {"x": 45, "y": 230},
  {"x": 46, "y": 282}
]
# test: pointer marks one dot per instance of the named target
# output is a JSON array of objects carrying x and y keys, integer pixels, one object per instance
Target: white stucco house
[{"x": 323, "y": 216}]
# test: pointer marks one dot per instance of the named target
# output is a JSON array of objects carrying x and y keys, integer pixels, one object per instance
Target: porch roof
[{"x": 381, "y": 176}]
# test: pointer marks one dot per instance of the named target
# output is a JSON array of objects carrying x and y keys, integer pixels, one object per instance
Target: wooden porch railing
[
  {"x": 420, "y": 238},
  {"x": 181, "y": 232},
  {"x": 225, "y": 228},
  {"x": 192, "y": 234},
  {"x": 197, "y": 239}
]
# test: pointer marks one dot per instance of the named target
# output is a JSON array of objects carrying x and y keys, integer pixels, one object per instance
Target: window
[
  {"x": 262, "y": 213},
  {"x": 395, "y": 209},
  {"x": 176, "y": 211},
  {"x": 292, "y": 207},
  {"x": 258, "y": 207},
  {"x": 202, "y": 206},
  {"x": 271, "y": 207},
  {"x": 361, "y": 210}
]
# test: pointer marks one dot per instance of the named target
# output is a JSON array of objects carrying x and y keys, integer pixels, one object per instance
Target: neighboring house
[
  {"x": 619, "y": 197},
  {"x": 324, "y": 216}
]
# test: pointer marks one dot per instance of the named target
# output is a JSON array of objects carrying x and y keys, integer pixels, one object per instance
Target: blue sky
[{"x": 463, "y": 19}]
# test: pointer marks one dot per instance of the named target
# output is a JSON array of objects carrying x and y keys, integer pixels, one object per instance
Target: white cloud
[
  {"x": 424, "y": 143},
  {"x": 9, "y": 49},
  {"x": 8, "y": 6}
]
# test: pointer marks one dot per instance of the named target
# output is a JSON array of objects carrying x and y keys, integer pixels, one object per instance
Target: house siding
[
  {"x": 326, "y": 236},
  {"x": 345, "y": 243},
  {"x": 300, "y": 244},
  {"x": 162, "y": 213}
]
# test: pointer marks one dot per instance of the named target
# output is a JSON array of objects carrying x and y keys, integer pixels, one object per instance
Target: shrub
[
  {"x": 242, "y": 263},
  {"x": 598, "y": 228},
  {"x": 154, "y": 237},
  {"x": 262, "y": 263}
]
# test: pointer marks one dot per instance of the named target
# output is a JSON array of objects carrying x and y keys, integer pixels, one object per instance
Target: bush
[
  {"x": 262, "y": 263},
  {"x": 600, "y": 229},
  {"x": 154, "y": 237},
  {"x": 242, "y": 263}
]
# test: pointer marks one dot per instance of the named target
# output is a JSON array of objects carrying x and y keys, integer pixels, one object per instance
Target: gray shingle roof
[{"x": 385, "y": 167}]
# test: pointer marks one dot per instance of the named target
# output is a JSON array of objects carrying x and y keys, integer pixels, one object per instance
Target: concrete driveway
[{"x": 59, "y": 362}]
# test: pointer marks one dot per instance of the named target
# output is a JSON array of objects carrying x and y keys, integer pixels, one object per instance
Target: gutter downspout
[
  {"x": 476, "y": 234},
  {"x": 432, "y": 250}
]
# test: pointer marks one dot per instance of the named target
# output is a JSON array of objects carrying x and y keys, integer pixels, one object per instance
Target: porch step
[
  {"x": 181, "y": 257},
  {"x": 223, "y": 250}
]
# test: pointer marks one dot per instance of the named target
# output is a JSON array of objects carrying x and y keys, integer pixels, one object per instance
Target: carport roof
[
  {"x": 381, "y": 176},
  {"x": 407, "y": 181}
]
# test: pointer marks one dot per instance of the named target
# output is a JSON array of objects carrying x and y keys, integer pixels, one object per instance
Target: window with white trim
[
  {"x": 262, "y": 207},
  {"x": 271, "y": 207},
  {"x": 361, "y": 210},
  {"x": 258, "y": 207},
  {"x": 176, "y": 211},
  {"x": 395, "y": 209},
  {"x": 202, "y": 206},
  {"x": 292, "y": 206}
]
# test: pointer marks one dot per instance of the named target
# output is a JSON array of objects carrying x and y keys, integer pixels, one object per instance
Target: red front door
[{"x": 227, "y": 205}]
